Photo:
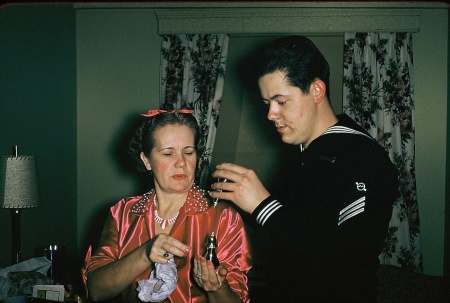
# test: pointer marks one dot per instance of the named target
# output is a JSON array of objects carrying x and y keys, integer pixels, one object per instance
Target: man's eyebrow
[{"x": 273, "y": 97}]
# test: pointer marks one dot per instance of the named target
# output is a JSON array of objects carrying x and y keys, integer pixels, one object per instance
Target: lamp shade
[{"x": 19, "y": 186}]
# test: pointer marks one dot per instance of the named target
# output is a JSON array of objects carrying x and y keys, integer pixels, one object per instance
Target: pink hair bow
[{"x": 154, "y": 112}]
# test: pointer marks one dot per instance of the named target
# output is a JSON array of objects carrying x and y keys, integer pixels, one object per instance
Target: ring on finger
[
  {"x": 198, "y": 276},
  {"x": 165, "y": 254}
]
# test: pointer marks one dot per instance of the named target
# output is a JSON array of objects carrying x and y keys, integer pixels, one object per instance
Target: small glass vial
[
  {"x": 211, "y": 245},
  {"x": 216, "y": 200}
]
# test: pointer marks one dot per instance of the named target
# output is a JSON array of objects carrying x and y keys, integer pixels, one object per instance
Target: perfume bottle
[{"x": 211, "y": 245}]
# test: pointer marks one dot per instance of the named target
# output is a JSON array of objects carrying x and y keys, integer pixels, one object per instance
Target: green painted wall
[
  {"x": 431, "y": 95},
  {"x": 38, "y": 113},
  {"x": 118, "y": 78}
]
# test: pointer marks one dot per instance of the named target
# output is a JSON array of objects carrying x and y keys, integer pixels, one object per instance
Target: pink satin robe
[{"x": 124, "y": 231}]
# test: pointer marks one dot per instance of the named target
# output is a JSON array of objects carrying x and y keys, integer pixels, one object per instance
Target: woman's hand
[
  {"x": 163, "y": 247},
  {"x": 125, "y": 270},
  {"x": 206, "y": 276}
]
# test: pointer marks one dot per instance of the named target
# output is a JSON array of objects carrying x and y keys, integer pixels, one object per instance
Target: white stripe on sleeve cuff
[{"x": 267, "y": 211}]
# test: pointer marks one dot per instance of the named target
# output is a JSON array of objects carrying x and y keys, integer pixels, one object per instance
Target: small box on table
[{"x": 49, "y": 292}]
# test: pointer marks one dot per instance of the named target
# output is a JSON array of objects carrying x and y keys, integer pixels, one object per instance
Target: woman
[{"x": 172, "y": 220}]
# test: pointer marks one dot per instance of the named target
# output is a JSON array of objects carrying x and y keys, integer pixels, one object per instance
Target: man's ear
[
  {"x": 319, "y": 90},
  {"x": 145, "y": 161}
]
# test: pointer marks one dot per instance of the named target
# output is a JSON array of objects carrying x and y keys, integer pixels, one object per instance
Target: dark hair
[
  {"x": 299, "y": 58},
  {"x": 143, "y": 139}
]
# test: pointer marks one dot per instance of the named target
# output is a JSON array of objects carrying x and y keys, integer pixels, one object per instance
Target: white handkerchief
[{"x": 161, "y": 283}]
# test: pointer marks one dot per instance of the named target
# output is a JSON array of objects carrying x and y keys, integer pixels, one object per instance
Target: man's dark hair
[{"x": 299, "y": 58}]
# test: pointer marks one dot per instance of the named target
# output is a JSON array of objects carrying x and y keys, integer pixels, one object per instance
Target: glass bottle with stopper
[{"x": 211, "y": 245}]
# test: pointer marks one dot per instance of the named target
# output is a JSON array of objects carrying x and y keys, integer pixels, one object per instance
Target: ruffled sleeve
[{"x": 234, "y": 251}]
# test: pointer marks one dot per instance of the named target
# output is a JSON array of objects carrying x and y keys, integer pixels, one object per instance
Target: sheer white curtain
[
  {"x": 192, "y": 73},
  {"x": 379, "y": 95}
]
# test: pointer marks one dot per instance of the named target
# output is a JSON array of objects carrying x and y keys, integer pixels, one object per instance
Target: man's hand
[{"x": 243, "y": 187}]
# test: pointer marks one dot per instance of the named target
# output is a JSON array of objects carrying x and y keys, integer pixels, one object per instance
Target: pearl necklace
[
  {"x": 195, "y": 202},
  {"x": 163, "y": 222}
]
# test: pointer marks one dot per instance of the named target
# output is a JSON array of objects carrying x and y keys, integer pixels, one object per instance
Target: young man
[{"x": 329, "y": 223}]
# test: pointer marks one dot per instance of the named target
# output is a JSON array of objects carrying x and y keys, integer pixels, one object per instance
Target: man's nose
[{"x": 273, "y": 113}]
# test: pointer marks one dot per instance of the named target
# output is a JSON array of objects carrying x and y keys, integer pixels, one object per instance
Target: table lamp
[{"x": 18, "y": 189}]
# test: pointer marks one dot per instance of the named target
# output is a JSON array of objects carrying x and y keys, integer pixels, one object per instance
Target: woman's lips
[{"x": 179, "y": 176}]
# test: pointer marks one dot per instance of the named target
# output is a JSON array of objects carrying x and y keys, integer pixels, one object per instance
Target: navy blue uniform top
[{"x": 328, "y": 223}]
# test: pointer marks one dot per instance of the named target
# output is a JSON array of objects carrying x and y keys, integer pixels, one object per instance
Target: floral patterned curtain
[
  {"x": 192, "y": 73},
  {"x": 379, "y": 95}
]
